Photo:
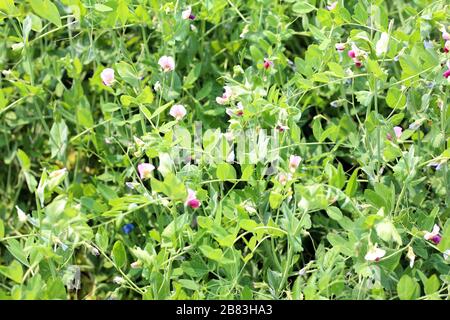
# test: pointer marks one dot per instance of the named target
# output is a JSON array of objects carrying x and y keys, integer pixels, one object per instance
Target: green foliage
[{"x": 353, "y": 219}]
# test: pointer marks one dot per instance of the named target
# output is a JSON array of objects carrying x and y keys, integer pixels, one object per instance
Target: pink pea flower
[
  {"x": 358, "y": 63},
  {"x": 374, "y": 254},
  {"x": 340, "y": 46},
  {"x": 178, "y": 111},
  {"x": 226, "y": 96},
  {"x": 166, "y": 63},
  {"x": 145, "y": 170},
  {"x": 187, "y": 14},
  {"x": 398, "y": 131},
  {"x": 282, "y": 128},
  {"x": 433, "y": 236},
  {"x": 332, "y": 6},
  {"x": 192, "y": 200},
  {"x": 283, "y": 178},
  {"x": 356, "y": 54},
  {"x": 352, "y": 54},
  {"x": 239, "y": 111},
  {"x": 445, "y": 34},
  {"x": 107, "y": 76},
  {"x": 446, "y": 74},
  {"x": 267, "y": 63},
  {"x": 447, "y": 46},
  {"x": 294, "y": 162}
]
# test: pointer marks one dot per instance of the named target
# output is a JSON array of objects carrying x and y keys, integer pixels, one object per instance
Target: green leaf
[
  {"x": 256, "y": 54},
  {"x": 352, "y": 184},
  {"x": 210, "y": 253},
  {"x": 8, "y": 7},
  {"x": 374, "y": 67},
  {"x": 336, "y": 69},
  {"x": 58, "y": 139},
  {"x": 408, "y": 288},
  {"x": 2, "y": 229},
  {"x": 334, "y": 213},
  {"x": 24, "y": 160},
  {"x": 431, "y": 285},
  {"x": 127, "y": 73},
  {"x": 225, "y": 171},
  {"x": 189, "y": 284},
  {"x": 102, "y": 8},
  {"x": 395, "y": 98},
  {"x": 247, "y": 171},
  {"x": 56, "y": 289},
  {"x": 119, "y": 254},
  {"x": 146, "y": 96},
  {"x": 302, "y": 7},
  {"x": 17, "y": 251},
  {"x": 387, "y": 231},
  {"x": 127, "y": 100},
  {"x": 275, "y": 199},
  {"x": 248, "y": 224},
  {"x": 47, "y": 10},
  {"x": 14, "y": 271}
]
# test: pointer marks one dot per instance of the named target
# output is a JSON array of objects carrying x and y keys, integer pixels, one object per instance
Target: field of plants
[{"x": 225, "y": 149}]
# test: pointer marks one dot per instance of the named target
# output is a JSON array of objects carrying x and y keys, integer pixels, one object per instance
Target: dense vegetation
[{"x": 219, "y": 149}]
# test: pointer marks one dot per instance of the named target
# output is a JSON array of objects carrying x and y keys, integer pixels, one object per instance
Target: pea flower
[
  {"x": 281, "y": 127},
  {"x": 178, "y": 111},
  {"x": 436, "y": 164},
  {"x": 356, "y": 54},
  {"x": 226, "y": 96},
  {"x": 118, "y": 280},
  {"x": 340, "y": 46},
  {"x": 128, "y": 228},
  {"x": 267, "y": 63},
  {"x": 446, "y": 74},
  {"x": 332, "y": 6},
  {"x": 447, "y": 46},
  {"x": 107, "y": 76},
  {"x": 382, "y": 45},
  {"x": 398, "y": 133},
  {"x": 427, "y": 44},
  {"x": 294, "y": 162},
  {"x": 411, "y": 256},
  {"x": 145, "y": 170},
  {"x": 94, "y": 251},
  {"x": 187, "y": 14},
  {"x": 374, "y": 254},
  {"x": 244, "y": 31},
  {"x": 238, "y": 112},
  {"x": 157, "y": 86},
  {"x": 192, "y": 200},
  {"x": 21, "y": 215},
  {"x": 433, "y": 236},
  {"x": 445, "y": 34},
  {"x": 167, "y": 63},
  {"x": 135, "y": 265},
  {"x": 446, "y": 254},
  {"x": 283, "y": 178}
]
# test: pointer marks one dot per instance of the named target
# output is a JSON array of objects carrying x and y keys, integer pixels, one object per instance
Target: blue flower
[{"x": 128, "y": 228}]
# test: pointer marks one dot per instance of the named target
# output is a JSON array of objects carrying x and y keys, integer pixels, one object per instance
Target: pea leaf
[
  {"x": 119, "y": 254},
  {"x": 47, "y": 10},
  {"x": 14, "y": 271}
]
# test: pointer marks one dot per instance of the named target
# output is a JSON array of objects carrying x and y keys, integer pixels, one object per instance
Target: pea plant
[{"x": 258, "y": 149}]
